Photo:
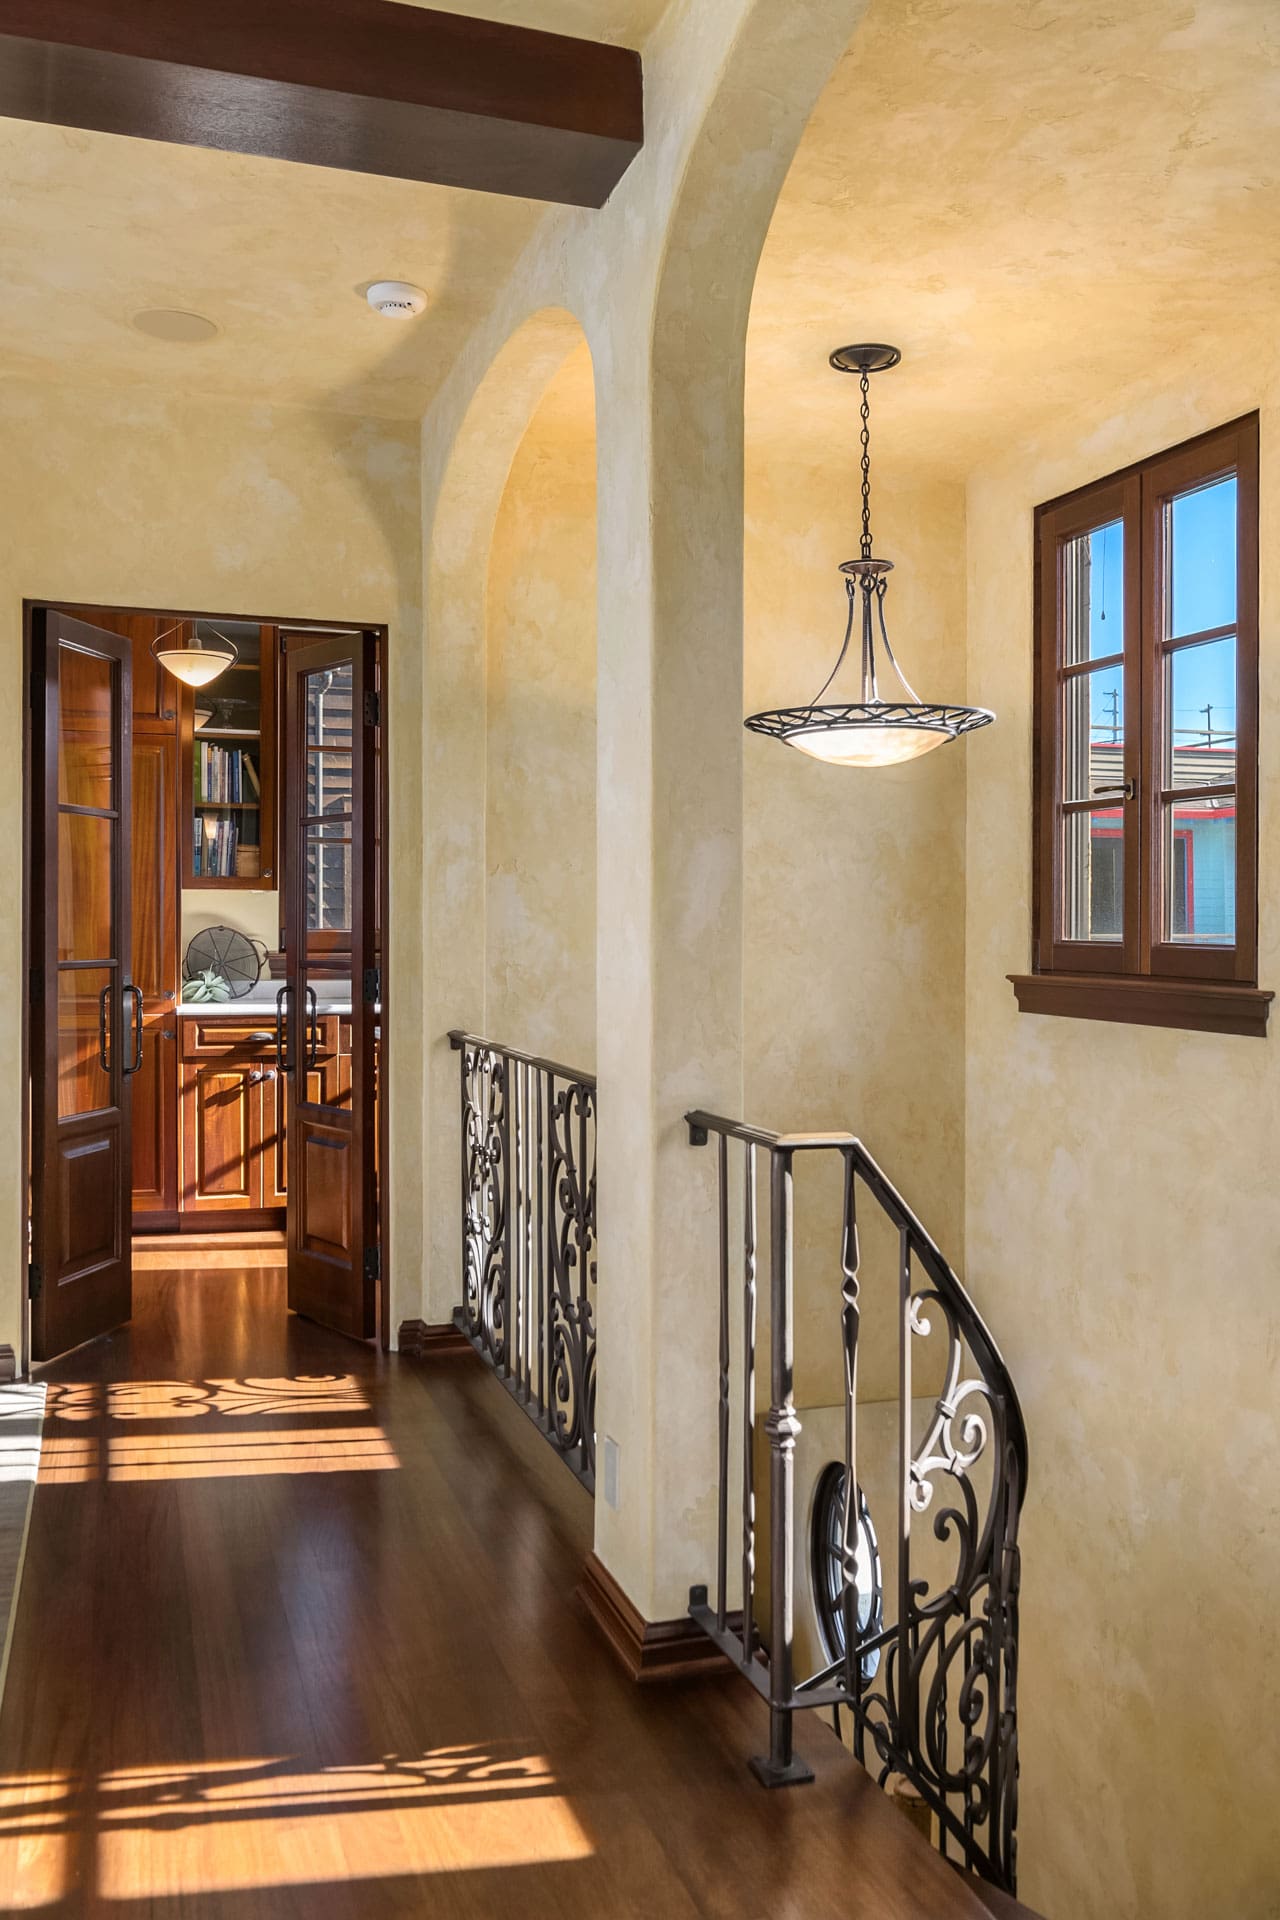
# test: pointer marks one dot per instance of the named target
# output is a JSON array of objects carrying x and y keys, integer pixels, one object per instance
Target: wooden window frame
[{"x": 1144, "y": 978}]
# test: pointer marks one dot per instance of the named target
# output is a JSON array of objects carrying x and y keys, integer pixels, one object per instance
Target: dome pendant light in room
[
  {"x": 872, "y": 731},
  {"x": 197, "y": 661}
]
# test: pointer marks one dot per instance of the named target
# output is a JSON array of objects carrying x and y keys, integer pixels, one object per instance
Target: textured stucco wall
[
  {"x": 138, "y": 500},
  {"x": 540, "y": 785},
  {"x": 1123, "y": 1216}
]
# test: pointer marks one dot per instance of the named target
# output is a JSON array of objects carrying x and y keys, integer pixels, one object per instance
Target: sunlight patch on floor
[
  {"x": 218, "y": 1456},
  {"x": 230, "y": 1826},
  {"x": 213, "y": 1429}
]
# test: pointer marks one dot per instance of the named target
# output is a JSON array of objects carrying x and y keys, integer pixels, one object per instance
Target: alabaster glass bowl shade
[
  {"x": 195, "y": 666},
  {"x": 867, "y": 745}
]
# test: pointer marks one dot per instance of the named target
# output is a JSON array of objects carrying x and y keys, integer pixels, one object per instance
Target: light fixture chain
[{"x": 866, "y": 465}]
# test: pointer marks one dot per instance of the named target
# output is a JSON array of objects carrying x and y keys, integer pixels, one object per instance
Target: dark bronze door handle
[{"x": 136, "y": 992}]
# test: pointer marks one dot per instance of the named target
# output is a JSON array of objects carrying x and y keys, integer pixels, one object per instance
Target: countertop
[{"x": 254, "y": 1005}]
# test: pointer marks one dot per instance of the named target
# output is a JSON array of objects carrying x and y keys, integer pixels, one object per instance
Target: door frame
[{"x": 79, "y": 609}]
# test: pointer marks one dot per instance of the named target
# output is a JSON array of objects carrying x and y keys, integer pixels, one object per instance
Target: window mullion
[{"x": 1139, "y": 766}]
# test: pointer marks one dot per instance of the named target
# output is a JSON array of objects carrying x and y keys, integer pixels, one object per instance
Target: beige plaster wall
[
  {"x": 540, "y": 828},
  {"x": 854, "y": 888},
  {"x": 1123, "y": 1215},
  {"x": 150, "y": 500},
  {"x": 256, "y": 915}
]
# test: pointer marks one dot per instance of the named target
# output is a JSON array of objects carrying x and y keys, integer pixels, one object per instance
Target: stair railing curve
[{"x": 932, "y": 1696}]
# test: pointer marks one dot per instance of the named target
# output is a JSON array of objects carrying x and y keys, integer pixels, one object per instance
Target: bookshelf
[{"x": 229, "y": 768}]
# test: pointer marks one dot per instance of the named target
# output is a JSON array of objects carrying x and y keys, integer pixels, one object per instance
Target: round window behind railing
[{"x": 827, "y": 1573}]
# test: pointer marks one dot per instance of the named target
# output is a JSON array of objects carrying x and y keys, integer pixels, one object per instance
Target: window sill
[{"x": 1146, "y": 1003}]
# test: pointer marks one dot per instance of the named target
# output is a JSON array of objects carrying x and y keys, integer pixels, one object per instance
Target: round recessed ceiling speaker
[
  {"x": 171, "y": 323},
  {"x": 396, "y": 299}
]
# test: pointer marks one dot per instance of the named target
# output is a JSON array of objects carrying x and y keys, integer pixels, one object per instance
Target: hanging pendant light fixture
[
  {"x": 198, "y": 661},
  {"x": 872, "y": 731}
]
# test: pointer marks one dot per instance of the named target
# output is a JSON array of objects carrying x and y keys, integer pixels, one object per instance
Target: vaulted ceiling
[
  {"x": 1031, "y": 197},
  {"x": 1037, "y": 200}
]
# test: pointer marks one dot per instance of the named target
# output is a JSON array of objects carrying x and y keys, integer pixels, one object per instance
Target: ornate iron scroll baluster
[
  {"x": 850, "y": 1260},
  {"x": 933, "y": 1694},
  {"x": 529, "y": 1236},
  {"x": 486, "y": 1155}
]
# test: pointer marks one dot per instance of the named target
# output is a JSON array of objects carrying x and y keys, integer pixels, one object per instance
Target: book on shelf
[
  {"x": 218, "y": 842},
  {"x": 225, "y": 776}
]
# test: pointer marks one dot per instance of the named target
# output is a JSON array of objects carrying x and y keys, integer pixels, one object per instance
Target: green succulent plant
[{"x": 206, "y": 986}]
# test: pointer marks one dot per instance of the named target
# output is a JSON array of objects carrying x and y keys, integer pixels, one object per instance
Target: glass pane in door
[
  {"x": 85, "y": 999},
  {"x": 85, "y": 777},
  {"x": 327, "y": 879},
  {"x": 86, "y": 859}
]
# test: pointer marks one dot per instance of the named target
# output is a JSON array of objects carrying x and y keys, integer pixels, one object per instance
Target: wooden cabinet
[
  {"x": 229, "y": 761},
  {"x": 235, "y": 1113}
]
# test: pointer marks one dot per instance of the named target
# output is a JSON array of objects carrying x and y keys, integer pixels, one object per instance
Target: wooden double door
[{"x": 103, "y": 1022}]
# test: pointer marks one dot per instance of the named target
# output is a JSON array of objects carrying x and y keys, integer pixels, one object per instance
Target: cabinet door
[
  {"x": 155, "y": 692},
  {"x": 221, "y": 1136}
]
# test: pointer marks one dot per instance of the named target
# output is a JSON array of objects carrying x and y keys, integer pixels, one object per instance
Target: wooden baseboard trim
[
  {"x": 649, "y": 1650},
  {"x": 419, "y": 1341}
]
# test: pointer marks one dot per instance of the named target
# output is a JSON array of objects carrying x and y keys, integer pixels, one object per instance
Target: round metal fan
[{"x": 231, "y": 955}]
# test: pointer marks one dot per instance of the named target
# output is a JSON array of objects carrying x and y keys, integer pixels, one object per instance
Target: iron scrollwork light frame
[{"x": 870, "y": 731}]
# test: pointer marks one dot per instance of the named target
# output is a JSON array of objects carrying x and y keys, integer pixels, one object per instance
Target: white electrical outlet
[{"x": 611, "y": 1461}]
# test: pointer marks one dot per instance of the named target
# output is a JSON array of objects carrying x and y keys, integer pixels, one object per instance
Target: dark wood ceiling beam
[{"x": 366, "y": 85}]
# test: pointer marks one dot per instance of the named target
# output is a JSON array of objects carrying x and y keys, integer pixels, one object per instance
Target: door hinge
[
  {"x": 372, "y": 710},
  {"x": 35, "y": 986},
  {"x": 372, "y": 986},
  {"x": 35, "y": 1280},
  {"x": 373, "y": 1263}
]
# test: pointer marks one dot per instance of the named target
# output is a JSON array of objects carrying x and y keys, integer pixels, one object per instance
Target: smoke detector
[{"x": 396, "y": 299}]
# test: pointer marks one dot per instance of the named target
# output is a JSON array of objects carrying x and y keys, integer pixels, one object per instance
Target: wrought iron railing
[
  {"x": 529, "y": 1236},
  {"x": 928, "y": 1676}
]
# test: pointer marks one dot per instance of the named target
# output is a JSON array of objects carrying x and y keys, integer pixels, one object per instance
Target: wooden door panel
[
  {"x": 324, "y": 1197},
  {"x": 276, "y": 1101},
  {"x": 155, "y": 970},
  {"x": 84, "y": 1035},
  {"x": 90, "y": 1224}
]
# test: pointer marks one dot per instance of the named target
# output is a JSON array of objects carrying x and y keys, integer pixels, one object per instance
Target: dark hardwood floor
[{"x": 298, "y": 1637}]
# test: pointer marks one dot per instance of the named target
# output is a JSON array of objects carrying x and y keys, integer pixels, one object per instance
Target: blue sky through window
[{"x": 1203, "y": 528}]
